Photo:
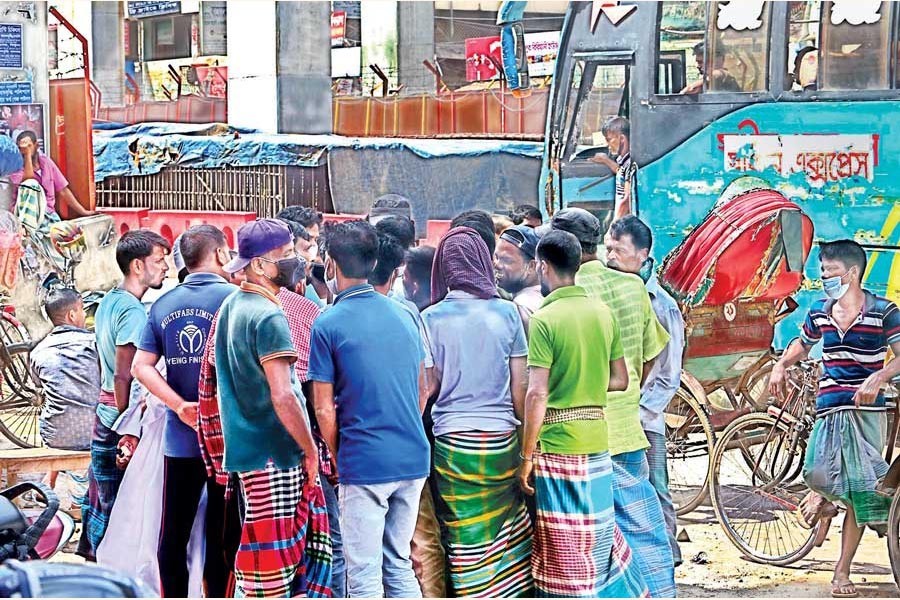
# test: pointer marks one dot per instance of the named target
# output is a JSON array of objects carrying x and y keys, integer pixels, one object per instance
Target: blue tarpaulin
[{"x": 147, "y": 148}]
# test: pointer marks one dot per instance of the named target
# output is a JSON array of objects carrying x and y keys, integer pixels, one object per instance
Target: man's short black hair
[
  {"x": 640, "y": 234},
  {"x": 561, "y": 250},
  {"x": 525, "y": 211},
  {"x": 390, "y": 256},
  {"x": 198, "y": 242},
  {"x": 618, "y": 126},
  {"x": 401, "y": 228},
  {"x": 847, "y": 252},
  {"x": 353, "y": 245},
  {"x": 419, "y": 263},
  {"x": 26, "y": 134},
  {"x": 60, "y": 301},
  {"x": 297, "y": 230},
  {"x": 138, "y": 244},
  {"x": 301, "y": 214},
  {"x": 481, "y": 222}
]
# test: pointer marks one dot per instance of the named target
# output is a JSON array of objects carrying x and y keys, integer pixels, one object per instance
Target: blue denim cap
[
  {"x": 522, "y": 237},
  {"x": 258, "y": 238}
]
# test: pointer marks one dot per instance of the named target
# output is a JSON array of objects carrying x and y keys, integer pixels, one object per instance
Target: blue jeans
[
  {"x": 338, "y": 568},
  {"x": 377, "y": 523},
  {"x": 659, "y": 479}
]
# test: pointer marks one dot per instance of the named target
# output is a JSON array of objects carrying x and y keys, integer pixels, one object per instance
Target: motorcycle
[{"x": 28, "y": 537}]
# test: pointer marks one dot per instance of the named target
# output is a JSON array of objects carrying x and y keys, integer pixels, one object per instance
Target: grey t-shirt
[
  {"x": 66, "y": 365},
  {"x": 472, "y": 340}
]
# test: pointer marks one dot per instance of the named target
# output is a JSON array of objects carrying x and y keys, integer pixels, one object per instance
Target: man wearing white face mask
[{"x": 844, "y": 454}]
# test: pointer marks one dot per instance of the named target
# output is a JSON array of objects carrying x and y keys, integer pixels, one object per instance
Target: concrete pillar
[
  {"x": 416, "y": 43},
  {"x": 304, "y": 67},
  {"x": 279, "y": 65},
  {"x": 108, "y": 51},
  {"x": 252, "y": 84}
]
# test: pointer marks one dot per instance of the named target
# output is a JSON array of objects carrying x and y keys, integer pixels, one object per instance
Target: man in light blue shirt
[{"x": 628, "y": 244}]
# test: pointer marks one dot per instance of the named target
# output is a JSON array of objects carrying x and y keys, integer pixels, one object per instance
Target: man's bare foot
[{"x": 843, "y": 588}]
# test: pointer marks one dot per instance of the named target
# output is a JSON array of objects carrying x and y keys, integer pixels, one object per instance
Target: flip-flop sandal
[{"x": 836, "y": 588}]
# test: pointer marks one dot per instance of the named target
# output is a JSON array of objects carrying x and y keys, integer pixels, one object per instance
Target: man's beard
[
  {"x": 514, "y": 286},
  {"x": 545, "y": 289}
]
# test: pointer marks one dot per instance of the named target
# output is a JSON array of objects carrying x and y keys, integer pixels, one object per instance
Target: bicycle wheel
[
  {"x": 755, "y": 393},
  {"x": 893, "y": 536},
  {"x": 689, "y": 443},
  {"x": 15, "y": 369},
  {"x": 756, "y": 488},
  {"x": 19, "y": 412}
]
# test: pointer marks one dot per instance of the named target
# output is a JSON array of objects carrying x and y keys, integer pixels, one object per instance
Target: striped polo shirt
[{"x": 848, "y": 358}]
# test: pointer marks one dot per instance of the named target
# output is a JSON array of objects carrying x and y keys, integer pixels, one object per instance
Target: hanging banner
[
  {"x": 479, "y": 52},
  {"x": 338, "y": 28}
]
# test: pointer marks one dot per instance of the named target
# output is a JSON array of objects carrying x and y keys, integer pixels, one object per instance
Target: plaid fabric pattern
[
  {"x": 643, "y": 338},
  {"x": 104, "y": 479},
  {"x": 659, "y": 479},
  {"x": 579, "y": 551},
  {"x": 212, "y": 441},
  {"x": 488, "y": 530},
  {"x": 843, "y": 462},
  {"x": 462, "y": 262},
  {"x": 639, "y": 516},
  {"x": 300, "y": 312},
  {"x": 285, "y": 547}
]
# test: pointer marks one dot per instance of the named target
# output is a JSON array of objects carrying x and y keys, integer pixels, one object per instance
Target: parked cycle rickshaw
[
  {"x": 756, "y": 482},
  {"x": 733, "y": 277}
]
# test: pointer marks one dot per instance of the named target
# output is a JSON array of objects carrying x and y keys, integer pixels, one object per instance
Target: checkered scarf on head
[{"x": 462, "y": 262}]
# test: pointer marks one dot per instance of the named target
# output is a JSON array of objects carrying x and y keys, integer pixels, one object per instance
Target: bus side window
[
  {"x": 682, "y": 25},
  {"x": 737, "y": 48},
  {"x": 803, "y": 46},
  {"x": 855, "y": 37}
]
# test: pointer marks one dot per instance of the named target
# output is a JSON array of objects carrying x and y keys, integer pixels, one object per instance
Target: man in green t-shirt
[
  {"x": 574, "y": 357},
  {"x": 638, "y": 510},
  {"x": 268, "y": 441}
]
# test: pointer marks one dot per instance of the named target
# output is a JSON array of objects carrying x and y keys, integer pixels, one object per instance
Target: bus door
[{"x": 599, "y": 88}]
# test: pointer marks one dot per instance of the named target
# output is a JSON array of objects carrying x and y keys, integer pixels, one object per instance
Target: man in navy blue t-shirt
[
  {"x": 177, "y": 329},
  {"x": 366, "y": 365}
]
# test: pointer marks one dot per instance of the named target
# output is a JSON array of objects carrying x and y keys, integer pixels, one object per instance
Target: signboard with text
[
  {"x": 479, "y": 52},
  {"x": 541, "y": 49},
  {"x": 15, "y": 92},
  {"x": 10, "y": 46},
  {"x": 139, "y": 8}
]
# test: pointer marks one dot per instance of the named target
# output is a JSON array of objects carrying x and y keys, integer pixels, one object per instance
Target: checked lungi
[
  {"x": 640, "y": 518},
  {"x": 285, "y": 547},
  {"x": 488, "y": 530},
  {"x": 579, "y": 551},
  {"x": 844, "y": 462},
  {"x": 104, "y": 478}
]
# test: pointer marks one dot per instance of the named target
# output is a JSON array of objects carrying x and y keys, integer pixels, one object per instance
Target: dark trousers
[{"x": 185, "y": 479}]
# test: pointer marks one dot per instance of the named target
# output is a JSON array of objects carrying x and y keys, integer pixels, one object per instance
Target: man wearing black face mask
[
  {"x": 265, "y": 425},
  {"x": 177, "y": 328}
]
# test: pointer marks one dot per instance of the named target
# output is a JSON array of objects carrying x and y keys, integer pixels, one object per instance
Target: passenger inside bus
[
  {"x": 806, "y": 70},
  {"x": 718, "y": 78}
]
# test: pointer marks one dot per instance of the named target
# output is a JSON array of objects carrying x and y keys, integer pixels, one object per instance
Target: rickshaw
[{"x": 733, "y": 277}]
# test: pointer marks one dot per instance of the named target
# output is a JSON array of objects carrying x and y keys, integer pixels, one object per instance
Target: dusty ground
[{"x": 728, "y": 574}]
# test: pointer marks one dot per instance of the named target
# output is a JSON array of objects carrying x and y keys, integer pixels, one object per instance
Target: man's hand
[
  {"x": 604, "y": 159},
  {"x": 125, "y": 450},
  {"x": 869, "y": 390},
  {"x": 26, "y": 148},
  {"x": 189, "y": 414},
  {"x": 311, "y": 465},
  {"x": 525, "y": 479},
  {"x": 777, "y": 382}
]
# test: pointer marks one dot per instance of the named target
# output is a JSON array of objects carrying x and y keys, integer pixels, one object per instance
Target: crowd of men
[{"x": 333, "y": 410}]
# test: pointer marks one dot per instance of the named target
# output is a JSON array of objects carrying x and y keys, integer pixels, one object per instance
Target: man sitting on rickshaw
[{"x": 844, "y": 455}]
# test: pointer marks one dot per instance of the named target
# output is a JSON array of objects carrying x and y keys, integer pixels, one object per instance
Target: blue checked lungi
[
  {"x": 659, "y": 479},
  {"x": 579, "y": 551},
  {"x": 104, "y": 478},
  {"x": 638, "y": 515}
]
